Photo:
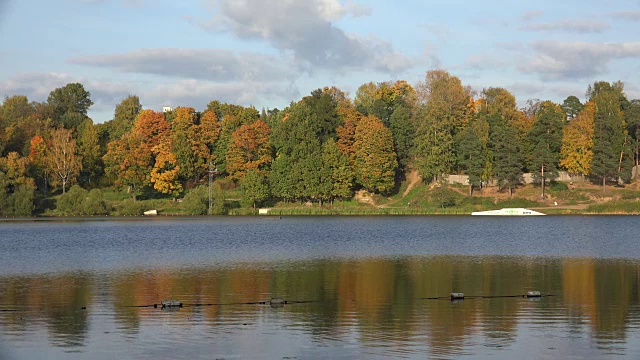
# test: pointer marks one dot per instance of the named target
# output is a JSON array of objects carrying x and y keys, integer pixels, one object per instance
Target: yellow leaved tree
[{"x": 577, "y": 142}]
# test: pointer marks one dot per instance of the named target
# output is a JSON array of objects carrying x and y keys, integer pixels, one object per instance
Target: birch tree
[{"x": 62, "y": 160}]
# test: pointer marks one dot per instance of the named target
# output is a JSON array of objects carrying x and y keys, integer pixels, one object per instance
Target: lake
[{"x": 356, "y": 287}]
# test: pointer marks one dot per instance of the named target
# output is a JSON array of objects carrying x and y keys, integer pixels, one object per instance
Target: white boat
[{"x": 508, "y": 212}]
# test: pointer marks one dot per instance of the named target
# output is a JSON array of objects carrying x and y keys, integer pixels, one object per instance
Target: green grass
[
  {"x": 366, "y": 212},
  {"x": 627, "y": 194},
  {"x": 518, "y": 203},
  {"x": 615, "y": 207}
]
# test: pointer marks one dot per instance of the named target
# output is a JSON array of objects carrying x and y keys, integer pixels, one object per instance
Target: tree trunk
[
  {"x": 46, "y": 183},
  {"x": 510, "y": 191},
  {"x": 604, "y": 183},
  {"x": 637, "y": 160},
  {"x": 543, "y": 182},
  {"x": 133, "y": 192},
  {"x": 64, "y": 185}
]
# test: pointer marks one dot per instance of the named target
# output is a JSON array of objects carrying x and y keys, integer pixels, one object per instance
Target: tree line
[{"x": 320, "y": 148}]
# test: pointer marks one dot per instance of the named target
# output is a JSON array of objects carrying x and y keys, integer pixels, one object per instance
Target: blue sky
[{"x": 269, "y": 53}]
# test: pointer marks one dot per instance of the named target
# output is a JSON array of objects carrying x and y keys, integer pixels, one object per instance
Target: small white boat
[{"x": 508, "y": 212}]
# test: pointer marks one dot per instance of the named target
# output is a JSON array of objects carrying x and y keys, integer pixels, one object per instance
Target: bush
[
  {"x": 94, "y": 203},
  {"x": 443, "y": 197},
  {"x": 130, "y": 207},
  {"x": 70, "y": 203},
  {"x": 196, "y": 202},
  {"x": 558, "y": 186},
  {"x": 22, "y": 200}
]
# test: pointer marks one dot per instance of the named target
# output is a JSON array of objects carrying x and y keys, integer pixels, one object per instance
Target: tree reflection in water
[{"x": 372, "y": 306}]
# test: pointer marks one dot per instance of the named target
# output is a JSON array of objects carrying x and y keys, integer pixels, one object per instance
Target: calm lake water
[{"x": 356, "y": 287}]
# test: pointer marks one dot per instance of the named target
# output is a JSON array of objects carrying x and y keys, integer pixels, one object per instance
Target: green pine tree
[{"x": 545, "y": 141}]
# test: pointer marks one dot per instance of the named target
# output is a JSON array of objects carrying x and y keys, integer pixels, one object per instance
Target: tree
[
  {"x": 124, "y": 117},
  {"x": 194, "y": 138},
  {"x": 445, "y": 94},
  {"x": 324, "y": 117},
  {"x": 499, "y": 101},
  {"x": 610, "y": 141},
  {"x": 164, "y": 174},
  {"x": 347, "y": 133},
  {"x": 482, "y": 129},
  {"x": 185, "y": 145},
  {"x": 577, "y": 142},
  {"x": 601, "y": 87},
  {"x": 507, "y": 152},
  {"x": 632, "y": 118},
  {"x": 209, "y": 133},
  {"x": 254, "y": 188},
  {"x": 62, "y": 159},
  {"x": 315, "y": 178},
  {"x": 17, "y": 124},
  {"x": 281, "y": 178},
  {"x": 375, "y": 162},
  {"x": 298, "y": 152},
  {"x": 572, "y": 107},
  {"x": 16, "y": 187},
  {"x": 128, "y": 163},
  {"x": 339, "y": 171},
  {"x": 444, "y": 111},
  {"x": 152, "y": 128},
  {"x": 402, "y": 130},
  {"x": 434, "y": 145},
  {"x": 70, "y": 104},
  {"x": 228, "y": 125},
  {"x": 249, "y": 149},
  {"x": 545, "y": 139},
  {"x": 38, "y": 161},
  {"x": 89, "y": 150},
  {"x": 365, "y": 98},
  {"x": 472, "y": 157},
  {"x": 15, "y": 109}
]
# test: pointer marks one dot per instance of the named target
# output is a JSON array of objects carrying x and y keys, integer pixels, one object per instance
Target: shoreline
[{"x": 558, "y": 212}]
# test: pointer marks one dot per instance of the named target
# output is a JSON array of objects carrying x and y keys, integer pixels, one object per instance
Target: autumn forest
[{"x": 320, "y": 149}]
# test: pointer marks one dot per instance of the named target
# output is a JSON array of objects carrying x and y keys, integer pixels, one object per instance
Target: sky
[{"x": 268, "y": 53}]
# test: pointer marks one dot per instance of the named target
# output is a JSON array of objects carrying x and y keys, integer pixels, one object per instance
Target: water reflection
[{"x": 365, "y": 308}]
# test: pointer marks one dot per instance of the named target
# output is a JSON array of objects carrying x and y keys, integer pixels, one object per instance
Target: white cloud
[
  {"x": 211, "y": 64},
  {"x": 306, "y": 30},
  {"x": 576, "y": 60},
  {"x": 483, "y": 62},
  {"x": 575, "y": 26},
  {"x": 531, "y": 15},
  {"x": 626, "y": 15},
  {"x": 127, "y": 3}
]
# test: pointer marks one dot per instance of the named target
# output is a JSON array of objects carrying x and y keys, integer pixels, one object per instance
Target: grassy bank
[{"x": 411, "y": 199}]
